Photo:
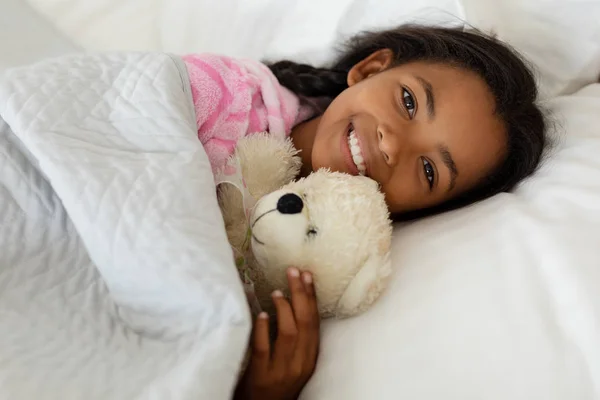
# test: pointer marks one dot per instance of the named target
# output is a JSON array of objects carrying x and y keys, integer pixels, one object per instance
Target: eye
[
  {"x": 429, "y": 172},
  {"x": 408, "y": 101},
  {"x": 311, "y": 232}
]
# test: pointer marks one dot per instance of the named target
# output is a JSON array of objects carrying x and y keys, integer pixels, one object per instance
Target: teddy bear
[{"x": 334, "y": 225}]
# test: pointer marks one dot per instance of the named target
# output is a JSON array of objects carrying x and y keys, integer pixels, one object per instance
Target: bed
[{"x": 500, "y": 300}]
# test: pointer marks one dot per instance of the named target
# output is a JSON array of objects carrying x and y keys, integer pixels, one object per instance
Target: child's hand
[{"x": 279, "y": 372}]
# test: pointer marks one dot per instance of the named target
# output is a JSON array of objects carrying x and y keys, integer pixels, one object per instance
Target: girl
[{"x": 440, "y": 117}]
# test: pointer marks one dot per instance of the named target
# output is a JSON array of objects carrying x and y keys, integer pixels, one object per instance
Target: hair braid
[{"x": 308, "y": 81}]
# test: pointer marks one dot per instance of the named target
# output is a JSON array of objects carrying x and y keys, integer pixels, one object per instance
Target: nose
[
  {"x": 290, "y": 204},
  {"x": 389, "y": 144}
]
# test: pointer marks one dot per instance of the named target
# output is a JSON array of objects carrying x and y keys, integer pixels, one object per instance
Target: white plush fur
[
  {"x": 342, "y": 236},
  {"x": 267, "y": 164}
]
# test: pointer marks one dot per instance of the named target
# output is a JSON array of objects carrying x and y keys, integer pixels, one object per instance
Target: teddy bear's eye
[{"x": 311, "y": 232}]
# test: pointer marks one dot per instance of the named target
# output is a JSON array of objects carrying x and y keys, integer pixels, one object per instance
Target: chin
[{"x": 331, "y": 165}]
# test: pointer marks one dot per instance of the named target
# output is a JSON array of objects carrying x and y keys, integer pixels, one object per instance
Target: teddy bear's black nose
[{"x": 290, "y": 204}]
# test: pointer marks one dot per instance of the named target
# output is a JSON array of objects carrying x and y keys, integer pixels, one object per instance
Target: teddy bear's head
[{"x": 334, "y": 225}]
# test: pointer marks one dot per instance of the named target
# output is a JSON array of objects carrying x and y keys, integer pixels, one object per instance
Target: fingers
[
  {"x": 297, "y": 344},
  {"x": 306, "y": 315},
  {"x": 261, "y": 353},
  {"x": 309, "y": 287},
  {"x": 308, "y": 336},
  {"x": 287, "y": 332},
  {"x": 300, "y": 301},
  {"x": 281, "y": 370}
]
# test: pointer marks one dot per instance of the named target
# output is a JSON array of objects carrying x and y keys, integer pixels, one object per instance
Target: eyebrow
[
  {"x": 429, "y": 95},
  {"x": 450, "y": 164}
]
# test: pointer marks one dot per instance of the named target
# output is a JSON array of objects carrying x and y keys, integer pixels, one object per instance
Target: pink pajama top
[{"x": 237, "y": 97}]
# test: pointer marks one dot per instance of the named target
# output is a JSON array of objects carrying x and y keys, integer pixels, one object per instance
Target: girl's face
[{"x": 426, "y": 132}]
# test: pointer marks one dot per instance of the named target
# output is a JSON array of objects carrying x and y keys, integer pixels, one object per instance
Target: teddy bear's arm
[{"x": 267, "y": 163}]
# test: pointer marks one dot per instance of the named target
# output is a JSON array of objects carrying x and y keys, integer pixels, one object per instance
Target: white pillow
[
  {"x": 500, "y": 300},
  {"x": 26, "y": 37},
  {"x": 561, "y": 37}
]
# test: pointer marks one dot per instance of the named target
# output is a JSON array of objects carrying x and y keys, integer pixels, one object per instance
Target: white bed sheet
[
  {"x": 497, "y": 301},
  {"x": 116, "y": 277},
  {"x": 62, "y": 330}
]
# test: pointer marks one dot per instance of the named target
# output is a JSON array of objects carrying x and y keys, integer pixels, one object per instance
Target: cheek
[
  {"x": 398, "y": 197},
  {"x": 343, "y": 105},
  {"x": 321, "y": 154},
  {"x": 406, "y": 195}
]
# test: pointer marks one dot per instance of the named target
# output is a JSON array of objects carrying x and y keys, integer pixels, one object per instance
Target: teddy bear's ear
[{"x": 366, "y": 286}]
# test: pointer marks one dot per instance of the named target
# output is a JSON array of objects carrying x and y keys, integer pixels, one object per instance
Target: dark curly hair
[{"x": 507, "y": 75}]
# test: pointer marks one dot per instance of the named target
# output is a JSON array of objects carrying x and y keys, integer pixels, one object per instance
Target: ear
[
  {"x": 373, "y": 64},
  {"x": 365, "y": 287}
]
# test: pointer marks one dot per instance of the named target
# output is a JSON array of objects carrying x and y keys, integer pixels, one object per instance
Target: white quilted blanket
[{"x": 116, "y": 280}]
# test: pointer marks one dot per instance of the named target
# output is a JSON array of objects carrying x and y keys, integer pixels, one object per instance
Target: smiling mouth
[{"x": 356, "y": 152}]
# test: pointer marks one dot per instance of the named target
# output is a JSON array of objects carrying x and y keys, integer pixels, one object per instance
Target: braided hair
[{"x": 506, "y": 74}]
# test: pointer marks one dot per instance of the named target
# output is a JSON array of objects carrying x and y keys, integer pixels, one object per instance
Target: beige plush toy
[{"x": 334, "y": 225}]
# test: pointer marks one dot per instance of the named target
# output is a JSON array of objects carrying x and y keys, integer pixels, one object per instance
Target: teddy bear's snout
[{"x": 290, "y": 203}]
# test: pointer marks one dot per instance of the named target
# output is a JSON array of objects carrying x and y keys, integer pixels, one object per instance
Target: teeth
[{"x": 357, "y": 157}]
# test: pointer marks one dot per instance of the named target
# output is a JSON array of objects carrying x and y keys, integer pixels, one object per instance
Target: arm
[{"x": 279, "y": 371}]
